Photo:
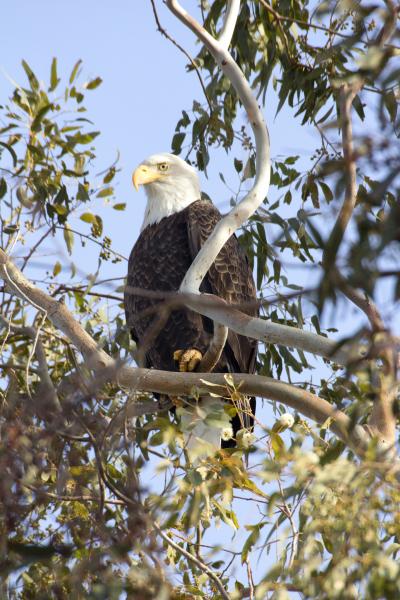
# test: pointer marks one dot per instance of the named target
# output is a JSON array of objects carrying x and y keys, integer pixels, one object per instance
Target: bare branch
[
  {"x": 56, "y": 311},
  {"x": 270, "y": 333},
  {"x": 240, "y": 213},
  {"x": 228, "y": 27},
  {"x": 214, "y": 350},
  {"x": 174, "y": 384},
  {"x": 361, "y": 300},
  {"x": 165, "y": 33},
  {"x": 346, "y": 96},
  {"x": 259, "y": 329}
]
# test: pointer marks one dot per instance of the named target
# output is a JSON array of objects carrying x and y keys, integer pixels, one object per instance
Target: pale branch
[
  {"x": 267, "y": 331},
  {"x": 240, "y": 213},
  {"x": 214, "y": 350},
  {"x": 56, "y": 311},
  {"x": 174, "y": 384},
  {"x": 171, "y": 383},
  {"x": 219, "y": 311},
  {"x": 229, "y": 24}
]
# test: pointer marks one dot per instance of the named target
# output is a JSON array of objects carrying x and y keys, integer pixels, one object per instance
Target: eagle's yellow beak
[{"x": 145, "y": 174}]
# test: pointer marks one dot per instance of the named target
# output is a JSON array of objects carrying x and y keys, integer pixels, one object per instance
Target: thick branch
[
  {"x": 228, "y": 27},
  {"x": 174, "y": 384},
  {"x": 270, "y": 333},
  {"x": 56, "y": 311},
  {"x": 219, "y": 311},
  {"x": 240, "y": 213}
]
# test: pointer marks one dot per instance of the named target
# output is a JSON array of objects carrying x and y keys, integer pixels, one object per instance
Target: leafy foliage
[{"x": 94, "y": 503}]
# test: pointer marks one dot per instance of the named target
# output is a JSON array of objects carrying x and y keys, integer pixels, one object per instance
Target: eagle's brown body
[{"x": 159, "y": 261}]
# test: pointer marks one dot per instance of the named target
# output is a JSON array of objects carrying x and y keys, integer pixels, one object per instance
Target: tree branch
[
  {"x": 171, "y": 383},
  {"x": 361, "y": 300},
  {"x": 228, "y": 27},
  {"x": 219, "y": 311},
  {"x": 56, "y": 311},
  {"x": 240, "y": 213},
  {"x": 346, "y": 96}
]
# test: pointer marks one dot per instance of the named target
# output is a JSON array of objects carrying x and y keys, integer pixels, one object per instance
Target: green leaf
[
  {"x": 326, "y": 190},
  {"x": 82, "y": 192},
  {"x": 120, "y": 206},
  {"x": 3, "y": 187},
  {"x": 105, "y": 192},
  {"x": 88, "y": 217},
  {"x": 359, "y": 107},
  {"x": 56, "y": 269},
  {"x": 238, "y": 165},
  {"x": 391, "y": 104},
  {"x": 36, "y": 124},
  {"x": 75, "y": 70},
  {"x": 31, "y": 76},
  {"x": 10, "y": 229},
  {"x": 54, "y": 80},
  {"x": 109, "y": 176},
  {"x": 251, "y": 540},
  {"x": 277, "y": 443},
  {"x": 93, "y": 84},
  {"x": 69, "y": 238},
  {"x": 177, "y": 142},
  {"x": 11, "y": 151}
]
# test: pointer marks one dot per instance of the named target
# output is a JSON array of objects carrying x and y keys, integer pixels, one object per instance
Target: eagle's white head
[{"x": 170, "y": 185}]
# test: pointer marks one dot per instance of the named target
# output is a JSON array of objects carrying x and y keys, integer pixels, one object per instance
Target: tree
[{"x": 80, "y": 428}]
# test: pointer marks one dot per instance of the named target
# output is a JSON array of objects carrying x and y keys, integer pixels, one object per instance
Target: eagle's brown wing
[{"x": 230, "y": 278}]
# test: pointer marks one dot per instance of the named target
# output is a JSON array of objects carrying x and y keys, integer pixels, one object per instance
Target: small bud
[
  {"x": 226, "y": 433},
  {"x": 286, "y": 420},
  {"x": 248, "y": 439},
  {"x": 203, "y": 472}
]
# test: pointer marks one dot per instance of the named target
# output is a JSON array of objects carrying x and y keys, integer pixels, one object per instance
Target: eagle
[{"x": 178, "y": 220}]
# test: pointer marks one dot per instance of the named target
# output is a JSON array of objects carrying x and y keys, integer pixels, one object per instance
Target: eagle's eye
[{"x": 163, "y": 167}]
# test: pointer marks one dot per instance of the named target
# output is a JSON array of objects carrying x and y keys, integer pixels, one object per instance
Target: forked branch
[{"x": 240, "y": 213}]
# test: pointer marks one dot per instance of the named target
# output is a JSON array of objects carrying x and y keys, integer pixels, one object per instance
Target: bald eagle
[{"x": 176, "y": 224}]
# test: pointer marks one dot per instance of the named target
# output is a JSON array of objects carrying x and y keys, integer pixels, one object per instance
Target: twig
[
  {"x": 91, "y": 239},
  {"x": 250, "y": 579},
  {"x": 201, "y": 565},
  {"x": 361, "y": 300},
  {"x": 310, "y": 25},
  {"x": 35, "y": 247},
  {"x": 165, "y": 33}
]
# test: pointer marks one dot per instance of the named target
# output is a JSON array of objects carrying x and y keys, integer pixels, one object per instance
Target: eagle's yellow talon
[
  {"x": 177, "y": 354},
  {"x": 188, "y": 359}
]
